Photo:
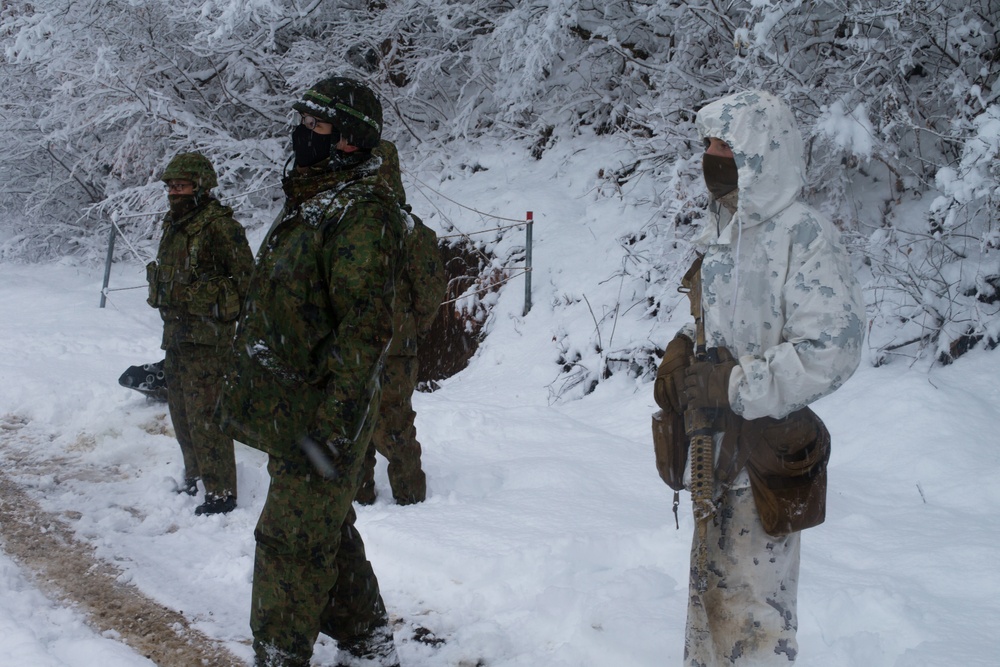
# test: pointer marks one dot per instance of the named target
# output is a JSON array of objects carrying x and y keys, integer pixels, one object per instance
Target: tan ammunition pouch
[
  {"x": 785, "y": 459},
  {"x": 787, "y": 468},
  {"x": 670, "y": 445}
]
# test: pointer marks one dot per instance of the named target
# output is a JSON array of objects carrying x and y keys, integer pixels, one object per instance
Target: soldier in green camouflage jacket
[
  {"x": 418, "y": 296},
  {"x": 310, "y": 347},
  {"x": 198, "y": 282}
]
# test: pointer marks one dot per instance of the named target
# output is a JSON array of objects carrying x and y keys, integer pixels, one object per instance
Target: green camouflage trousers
[
  {"x": 395, "y": 436},
  {"x": 310, "y": 574},
  {"x": 194, "y": 377}
]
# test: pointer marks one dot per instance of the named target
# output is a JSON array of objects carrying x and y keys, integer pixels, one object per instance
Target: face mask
[
  {"x": 181, "y": 205},
  {"x": 309, "y": 147},
  {"x": 720, "y": 175}
]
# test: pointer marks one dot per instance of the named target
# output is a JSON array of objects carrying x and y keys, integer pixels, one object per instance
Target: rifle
[{"x": 698, "y": 425}]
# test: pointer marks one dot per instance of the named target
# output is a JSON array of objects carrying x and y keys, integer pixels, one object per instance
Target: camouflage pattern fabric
[
  {"x": 778, "y": 289},
  {"x": 197, "y": 282},
  {"x": 421, "y": 288},
  {"x": 200, "y": 276},
  {"x": 389, "y": 170},
  {"x": 348, "y": 105},
  {"x": 779, "y": 292},
  {"x": 423, "y": 280},
  {"x": 747, "y": 616},
  {"x": 418, "y": 296},
  {"x": 395, "y": 436},
  {"x": 193, "y": 167},
  {"x": 318, "y": 315},
  {"x": 208, "y": 453},
  {"x": 311, "y": 573},
  {"x": 309, "y": 350}
]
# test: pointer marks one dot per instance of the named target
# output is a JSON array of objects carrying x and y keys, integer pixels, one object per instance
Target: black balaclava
[
  {"x": 181, "y": 205},
  {"x": 720, "y": 175},
  {"x": 310, "y": 148}
]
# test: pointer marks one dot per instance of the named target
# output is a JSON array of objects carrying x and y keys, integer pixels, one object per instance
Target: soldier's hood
[{"x": 768, "y": 150}]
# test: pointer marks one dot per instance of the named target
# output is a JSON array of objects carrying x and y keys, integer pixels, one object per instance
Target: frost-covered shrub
[{"x": 898, "y": 101}]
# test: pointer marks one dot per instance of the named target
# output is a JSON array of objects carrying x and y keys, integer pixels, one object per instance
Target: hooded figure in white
[{"x": 779, "y": 293}]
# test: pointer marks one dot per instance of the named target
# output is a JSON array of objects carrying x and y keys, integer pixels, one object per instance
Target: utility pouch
[
  {"x": 228, "y": 304},
  {"x": 215, "y": 298},
  {"x": 670, "y": 445},
  {"x": 787, "y": 469},
  {"x": 151, "y": 278},
  {"x": 670, "y": 441}
]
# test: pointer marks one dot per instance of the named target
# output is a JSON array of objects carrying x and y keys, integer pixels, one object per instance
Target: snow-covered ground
[{"x": 547, "y": 537}]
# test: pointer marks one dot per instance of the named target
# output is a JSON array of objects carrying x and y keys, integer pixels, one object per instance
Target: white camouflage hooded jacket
[{"x": 778, "y": 289}]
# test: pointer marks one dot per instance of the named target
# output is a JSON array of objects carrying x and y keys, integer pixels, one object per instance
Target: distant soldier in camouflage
[
  {"x": 310, "y": 348},
  {"x": 418, "y": 296},
  {"x": 198, "y": 282}
]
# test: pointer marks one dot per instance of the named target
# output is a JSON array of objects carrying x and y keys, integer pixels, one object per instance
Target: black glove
[{"x": 706, "y": 383}]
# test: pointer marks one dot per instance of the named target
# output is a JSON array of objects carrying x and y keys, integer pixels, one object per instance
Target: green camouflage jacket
[
  {"x": 317, "y": 318},
  {"x": 200, "y": 276}
]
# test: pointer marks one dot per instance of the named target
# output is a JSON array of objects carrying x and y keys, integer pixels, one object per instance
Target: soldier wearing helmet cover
[
  {"x": 310, "y": 348},
  {"x": 198, "y": 282}
]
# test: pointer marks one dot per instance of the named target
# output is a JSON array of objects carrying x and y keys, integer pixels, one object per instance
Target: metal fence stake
[{"x": 527, "y": 261}]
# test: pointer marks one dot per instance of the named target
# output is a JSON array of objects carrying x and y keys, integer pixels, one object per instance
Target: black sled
[{"x": 146, "y": 379}]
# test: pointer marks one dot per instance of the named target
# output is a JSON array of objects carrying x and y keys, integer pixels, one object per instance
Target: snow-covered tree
[{"x": 898, "y": 100}]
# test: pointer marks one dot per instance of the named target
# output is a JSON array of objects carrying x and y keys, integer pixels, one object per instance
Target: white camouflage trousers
[{"x": 747, "y": 616}]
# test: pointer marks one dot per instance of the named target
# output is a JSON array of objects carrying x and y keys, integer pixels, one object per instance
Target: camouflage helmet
[
  {"x": 193, "y": 167},
  {"x": 352, "y": 108}
]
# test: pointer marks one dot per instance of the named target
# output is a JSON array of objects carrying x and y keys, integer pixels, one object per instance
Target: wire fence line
[
  {"x": 461, "y": 205},
  {"x": 481, "y": 231},
  {"x": 481, "y": 290},
  {"x": 527, "y": 223},
  {"x": 421, "y": 185},
  {"x": 486, "y": 288},
  {"x": 116, "y": 216}
]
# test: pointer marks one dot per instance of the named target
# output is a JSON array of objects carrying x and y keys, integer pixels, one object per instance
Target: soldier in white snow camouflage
[{"x": 779, "y": 295}]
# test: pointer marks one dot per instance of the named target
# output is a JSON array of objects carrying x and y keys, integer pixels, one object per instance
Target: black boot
[
  {"x": 213, "y": 505},
  {"x": 190, "y": 486},
  {"x": 375, "y": 649}
]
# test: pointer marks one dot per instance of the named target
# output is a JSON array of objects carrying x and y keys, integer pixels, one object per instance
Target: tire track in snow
[{"x": 67, "y": 571}]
